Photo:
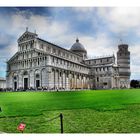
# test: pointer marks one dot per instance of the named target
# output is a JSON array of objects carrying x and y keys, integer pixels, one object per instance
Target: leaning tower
[{"x": 123, "y": 61}]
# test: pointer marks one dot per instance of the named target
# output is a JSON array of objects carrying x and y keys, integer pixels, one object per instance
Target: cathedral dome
[{"x": 78, "y": 47}]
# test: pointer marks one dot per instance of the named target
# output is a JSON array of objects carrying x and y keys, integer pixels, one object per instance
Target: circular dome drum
[{"x": 78, "y": 47}]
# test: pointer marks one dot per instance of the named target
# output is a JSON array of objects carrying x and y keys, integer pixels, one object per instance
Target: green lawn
[{"x": 95, "y": 111}]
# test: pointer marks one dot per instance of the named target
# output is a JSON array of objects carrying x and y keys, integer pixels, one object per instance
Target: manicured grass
[{"x": 93, "y": 111}]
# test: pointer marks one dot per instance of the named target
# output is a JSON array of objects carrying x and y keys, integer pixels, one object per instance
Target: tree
[{"x": 135, "y": 84}]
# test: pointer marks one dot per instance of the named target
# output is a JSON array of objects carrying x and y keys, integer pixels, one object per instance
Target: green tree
[{"x": 135, "y": 84}]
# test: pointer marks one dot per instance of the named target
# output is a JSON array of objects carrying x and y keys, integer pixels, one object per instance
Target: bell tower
[{"x": 123, "y": 62}]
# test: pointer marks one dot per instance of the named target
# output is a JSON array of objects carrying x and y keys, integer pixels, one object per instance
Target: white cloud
[
  {"x": 135, "y": 71},
  {"x": 98, "y": 45},
  {"x": 135, "y": 64},
  {"x": 8, "y": 51},
  {"x": 121, "y": 19},
  {"x": 3, "y": 39},
  {"x": 46, "y": 28}
]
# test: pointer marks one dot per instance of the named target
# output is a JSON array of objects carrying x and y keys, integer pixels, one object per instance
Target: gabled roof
[
  {"x": 33, "y": 35},
  {"x": 13, "y": 57}
]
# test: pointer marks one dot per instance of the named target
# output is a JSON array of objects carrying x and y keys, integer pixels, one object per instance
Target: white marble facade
[
  {"x": 2, "y": 83},
  {"x": 39, "y": 64}
]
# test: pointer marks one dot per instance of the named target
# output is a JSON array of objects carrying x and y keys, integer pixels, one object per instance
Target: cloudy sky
[{"x": 98, "y": 29}]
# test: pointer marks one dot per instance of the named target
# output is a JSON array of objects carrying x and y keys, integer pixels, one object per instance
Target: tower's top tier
[{"x": 123, "y": 47}]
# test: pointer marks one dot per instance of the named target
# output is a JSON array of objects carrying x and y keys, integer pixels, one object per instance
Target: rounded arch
[
  {"x": 37, "y": 76},
  {"x": 25, "y": 73},
  {"x": 43, "y": 69},
  {"x": 14, "y": 73},
  {"x": 15, "y": 76},
  {"x": 37, "y": 73}
]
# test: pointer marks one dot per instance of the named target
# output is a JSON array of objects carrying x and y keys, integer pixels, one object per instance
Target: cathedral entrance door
[
  {"x": 37, "y": 83},
  {"x": 15, "y": 85},
  {"x": 25, "y": 83}
]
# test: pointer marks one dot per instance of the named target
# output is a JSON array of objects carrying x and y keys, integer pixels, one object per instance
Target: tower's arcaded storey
[{"x": 123, "y": 61}]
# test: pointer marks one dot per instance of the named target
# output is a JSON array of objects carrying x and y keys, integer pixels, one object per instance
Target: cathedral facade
[{"x": 39, "y": 64}]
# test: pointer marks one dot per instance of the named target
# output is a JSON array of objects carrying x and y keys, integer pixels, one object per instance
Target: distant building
[
  {"x": 41, "y": 64},
  {"x": 2, "y": 83}
]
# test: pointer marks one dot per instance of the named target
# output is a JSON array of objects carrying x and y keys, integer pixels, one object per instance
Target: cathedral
[{"x": 39, "y": 64}]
